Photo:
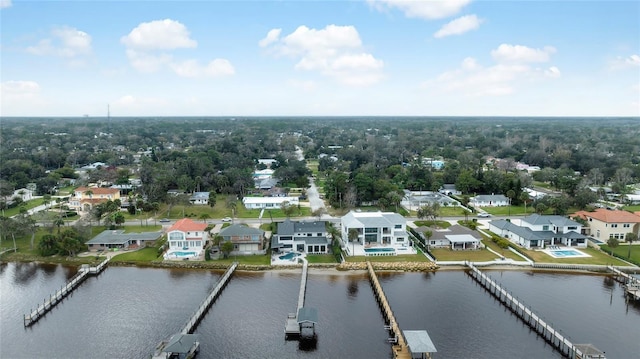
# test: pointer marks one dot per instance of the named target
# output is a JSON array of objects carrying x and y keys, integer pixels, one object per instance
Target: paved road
[{"x": 314, "y": 196}]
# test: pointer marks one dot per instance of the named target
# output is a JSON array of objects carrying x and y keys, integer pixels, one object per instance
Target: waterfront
[{"x": 125, "y": 311}]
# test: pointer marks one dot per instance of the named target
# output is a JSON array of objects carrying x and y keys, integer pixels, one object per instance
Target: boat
[{"x": 179, "y": 346}]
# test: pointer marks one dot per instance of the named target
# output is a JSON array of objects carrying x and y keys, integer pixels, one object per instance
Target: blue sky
[{"x": 306, "y": 58}]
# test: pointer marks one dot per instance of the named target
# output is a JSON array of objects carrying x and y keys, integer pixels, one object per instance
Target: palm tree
[
  {"x": 353, "y": 237},
  {"x": 58, "y": 222},
  {"x": 204, "y": 217},
  {"x": 511, "y": 194},
  {"x": 524, "y": 197},
  {"x": 630, "y": 238}
]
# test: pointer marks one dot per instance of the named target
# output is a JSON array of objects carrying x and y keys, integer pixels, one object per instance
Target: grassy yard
[
  {"x": 143, "y": 255},
  {"x": 632, "y": 208},
  {"x": 597, "y": 257},
  {"x": 321, "y": 258},
  {"x": 27, "y": 205},
  {"x": 623, "y": 250},
  {"x": 505, "y": 252},
  {"x": 248, "y": 260},
  {"x": 439, "y": 224},
  {"x": 446, "y": 254},
  {"x": 398, "y": 258},
  {"x": 519, "y": 210}
]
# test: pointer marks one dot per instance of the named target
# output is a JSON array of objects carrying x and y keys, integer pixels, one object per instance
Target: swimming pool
[
  {"x": 378, "y": 250},
  {"x": 566, "y": 253},
  {"x": 289, "y": 256},
  {"x": 183, "y": 254}
]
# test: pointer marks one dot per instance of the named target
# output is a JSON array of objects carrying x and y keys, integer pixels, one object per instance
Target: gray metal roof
[
  {"x": 307, "y": 314},
  {"x": 119, "y": 237},
  {"x": 558, "y": 221},
  {"x": 240, "y": 230},
  {"x": 462, "y": 238},
  {"x": 456, "y": 229},
  {"x": 419, "y": 341},
  {"x": 180, "y": 343}
]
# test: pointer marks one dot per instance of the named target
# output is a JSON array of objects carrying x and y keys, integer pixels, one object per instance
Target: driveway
[{"x": 315, "y": 202}]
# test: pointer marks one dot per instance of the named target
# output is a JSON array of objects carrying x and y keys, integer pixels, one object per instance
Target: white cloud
[
  {"x": 334, "y": 51},
  {"x": 459, "y": 26},
  {"x": 511, "y": 68},
  {"x": 65, "y": 42},
  {"x": 192, "y": 68},
  {"x": 621, "y": 63},
  {"x": 164, "y": 34},
  {"x": 519, "y": 53},
  {"x": 272, "y": 36},
  {"x": 5, "y": 4},
  {"x": 148, "y": 47},
  {"x": 429, "y": 10},
  {"x": 19, "y": 89},
  {"x": 18, "y": 97},
  {"x": 305, "y": 85}
]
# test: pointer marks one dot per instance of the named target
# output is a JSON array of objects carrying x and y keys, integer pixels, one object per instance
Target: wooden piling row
[
  {"x": 60, "y": 294},
  {"x": 546, "y": 331}
]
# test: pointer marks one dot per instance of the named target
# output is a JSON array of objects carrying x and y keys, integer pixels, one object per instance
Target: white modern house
[
  {"x": 268, "y": 202},
  {"x": 199, "y": 198},
  {"x": 307, "y": 237},
  {"x": 540, "y": 231},
  {"x": 456, "y": 237},
  {"x": 489, "y": 200},
  {"x": 379, "y": 233},
  {"x": 186, "y": 239}
]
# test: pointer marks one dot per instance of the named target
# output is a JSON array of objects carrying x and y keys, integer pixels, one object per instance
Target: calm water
[{"x": 124, "y": 312}]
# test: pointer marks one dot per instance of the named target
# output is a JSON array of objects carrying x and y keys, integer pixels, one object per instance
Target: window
[
  {"x": 400, "y": 239},
  {"x": 319, "y": 234},
  {"x": 614, "y": 225},
  {"x": 572, "y": 227},
  {"x": 398, "y": 226},
  {"x": 545, "y": 228},
  {"x": 433, "y": 243},
  {"x": 626, "y": 225}
]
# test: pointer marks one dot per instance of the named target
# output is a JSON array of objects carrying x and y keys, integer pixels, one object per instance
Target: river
[{"x": 125, "y": 311}]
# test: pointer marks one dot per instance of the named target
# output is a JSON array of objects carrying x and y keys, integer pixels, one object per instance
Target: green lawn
[
  {"x": 248, "y": 260},
  {"x": 321, "y": 258},
  {"x": 399, "y": 258},
  {"x": 519, "y": 210},
  {"x": 505, "y": 252},
  {"x": 635, "y": 208},
  {"x": 446, "y": 254},
  {"x": 597, "y": 257},
  {"x": 27, "y": 205},
  {"x": 623, "y": 250},
  {"x": 147, "y": 254},
  {"x": 439, "y": 224}
]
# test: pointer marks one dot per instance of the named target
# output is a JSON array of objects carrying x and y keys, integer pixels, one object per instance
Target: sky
[{"x": 320, "y": 58}]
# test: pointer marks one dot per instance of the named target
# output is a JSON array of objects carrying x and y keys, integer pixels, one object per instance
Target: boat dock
[
  {"x": 215, "y": 292},
  {"x": 303, "y": 317},
  {"x": 546, "y": 331},
  {"x": 400, "y": 347},
  {"x": 631, "y": 283},
  {"x": 55, "y": 298}
]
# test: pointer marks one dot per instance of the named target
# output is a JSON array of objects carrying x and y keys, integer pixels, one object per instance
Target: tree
[
  {"x": 613, "y": 243},
  {"x": 319, "y": 213},
  {"x": 353, "y": 237},
  {"x": 427, "y": 235},
  {"x": 204, "y": 217},
  {"x": 118, "y": 218},
  {"x": 46, "y": 199},
  {"x": 511, "y": 194},
  {"x": 287, "y": 208},
  {"x": 630, "y": 238},
  {"x": 212, "y": 199},
  {"x": 226, "y": 248},
  {"x": 48, "y": 245},
  {"x": 58, "y": 222},
  {"x": 524, "y": 198}
]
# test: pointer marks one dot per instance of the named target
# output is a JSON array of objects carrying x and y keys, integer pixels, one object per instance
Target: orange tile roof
[
  {"x": 187, "y": 225},
  {"x": 97, "y": 190},
  {"x": 610, "y": 216}
]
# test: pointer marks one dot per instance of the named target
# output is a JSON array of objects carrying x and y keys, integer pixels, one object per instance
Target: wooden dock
[
  {"x": 59, "y": 295},
  {"x": 292, "y": 327},
  {"x": 546, "y": 331},
  {"x": 202, "y": 309},
  {"x": 631, "y": 283},
  {"x": 400, "y": 347}
]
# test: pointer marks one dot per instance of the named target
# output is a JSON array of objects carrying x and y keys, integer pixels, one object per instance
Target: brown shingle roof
[{"x": 98, "y": 190}]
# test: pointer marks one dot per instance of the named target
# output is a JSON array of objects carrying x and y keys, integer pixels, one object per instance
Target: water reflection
[
  {"x": 25, "y": 273},
  {"x": 352, "y": 288}
]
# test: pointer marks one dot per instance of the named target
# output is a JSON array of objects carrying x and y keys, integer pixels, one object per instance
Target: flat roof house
[
  {"x": 118, "y": 239},
  {"x": 375, "y": 228},
  {"x": 307, "y": 237}
]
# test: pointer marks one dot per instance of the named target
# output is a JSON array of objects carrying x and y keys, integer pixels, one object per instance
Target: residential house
[
  {"x": 539, "y": 231},
  {"x": 605, "y": 223},
  {"x": 187, "y": 235},
  {"x": 199, "y": 198},
  {"x": 107, "y": 240},
  {"x": 268, "y": 202},
  {"x": 489, "y": 200},
  {"x": 246, "y": 240},
  {"x": 456, "y": 237},
  {"x": 85, "y": 198},
  {"x": 375, "y": 228},
  {"x": 308, "y": 237}
]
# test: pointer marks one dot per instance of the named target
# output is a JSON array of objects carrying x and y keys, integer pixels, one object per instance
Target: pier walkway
[
  {"x": 48, "y": 303},
  {"x": 548, "y": 333},
  {"x": 202, "y": 309},
  {"x": 302, "y": 315},
  {"x": 631, "y": 283},
  {"x": 400, "y": 348}
]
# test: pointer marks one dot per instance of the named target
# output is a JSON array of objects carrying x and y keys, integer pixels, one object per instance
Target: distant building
[
  {"x": 605, "y": 223},
  {"x": 85, "y": 198},
  {"x": 267, "y": 202},
  {"x": 539, "y": 231},
  {"x": 490, "y": 200},
  {"x": 199, "y": 198},
  {"x": 246, "y": 240}
]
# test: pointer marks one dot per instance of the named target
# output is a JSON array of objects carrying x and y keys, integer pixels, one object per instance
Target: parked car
[
  {"x": 165, "y": 220},
  {"x": 484, "y": 215},
  {"x": 226, "y": 219}
]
